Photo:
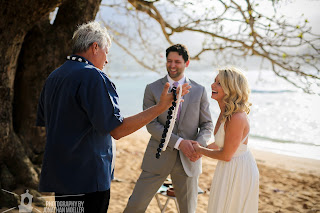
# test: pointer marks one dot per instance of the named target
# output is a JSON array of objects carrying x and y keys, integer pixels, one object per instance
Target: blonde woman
[{"x": 235, "y": 185}]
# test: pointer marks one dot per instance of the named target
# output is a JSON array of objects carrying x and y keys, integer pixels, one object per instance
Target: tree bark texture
[{"x": 31, "y": 48}]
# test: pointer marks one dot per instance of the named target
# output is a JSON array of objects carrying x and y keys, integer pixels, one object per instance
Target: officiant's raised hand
[
  {"x": 166, "y": 98},
  {"x": 186, "y": 146}
]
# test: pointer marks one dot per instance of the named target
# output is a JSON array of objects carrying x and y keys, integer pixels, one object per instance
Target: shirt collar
[{"x": 171, "y": 81}]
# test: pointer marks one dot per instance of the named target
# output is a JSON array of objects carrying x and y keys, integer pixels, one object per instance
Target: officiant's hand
[
  {"x": 185, "y": 89},
  {"x": 188, "y": 150},
  {"x": 167, "y": 98}
]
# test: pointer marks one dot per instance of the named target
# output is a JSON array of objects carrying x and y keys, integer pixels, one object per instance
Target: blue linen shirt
[{"x": 79, "y": 107}]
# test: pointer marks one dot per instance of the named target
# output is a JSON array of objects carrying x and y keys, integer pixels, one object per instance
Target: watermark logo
[
  {"x": 50, "y": 207},
  {"x": 64, "y": 206},
  {"x": 23, "y": 207}
]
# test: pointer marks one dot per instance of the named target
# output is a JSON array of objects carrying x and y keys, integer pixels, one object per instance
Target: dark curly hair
[{"x": 180, "y": 49}]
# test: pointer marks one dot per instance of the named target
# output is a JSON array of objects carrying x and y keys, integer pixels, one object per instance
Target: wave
[
  {"x": 282, "y": 141},
  {"x": 272, "y": 91}
]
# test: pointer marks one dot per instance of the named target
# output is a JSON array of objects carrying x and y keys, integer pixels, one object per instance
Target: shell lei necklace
[
  {"x": 171, "y": 119},
  {"x": 77, "y": 58}
]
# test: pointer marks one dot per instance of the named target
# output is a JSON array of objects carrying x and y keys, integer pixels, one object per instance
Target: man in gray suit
[{"x": 180, "y": 159}]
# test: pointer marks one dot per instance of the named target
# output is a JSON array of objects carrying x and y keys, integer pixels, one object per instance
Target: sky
[{"x": 310, "y": 9}]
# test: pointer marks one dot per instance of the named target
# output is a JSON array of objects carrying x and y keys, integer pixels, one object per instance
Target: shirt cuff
[{"x": 176, "y": 146}]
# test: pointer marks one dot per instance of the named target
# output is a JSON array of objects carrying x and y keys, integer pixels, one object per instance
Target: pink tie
[{"x": 176, "y": 84}]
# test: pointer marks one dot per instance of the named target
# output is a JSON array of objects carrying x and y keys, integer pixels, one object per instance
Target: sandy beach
[{"x": 287, "y": 184}]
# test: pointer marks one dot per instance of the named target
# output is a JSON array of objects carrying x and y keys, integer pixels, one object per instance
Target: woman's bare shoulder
[
  {"x": 239, "y": 117},
  {"x": 238, "y": 120}
]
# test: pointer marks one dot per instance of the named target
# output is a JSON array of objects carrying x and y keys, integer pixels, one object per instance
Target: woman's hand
[
  {"x": 213, "y": 146},
  {"x": 196, "y": 146}
]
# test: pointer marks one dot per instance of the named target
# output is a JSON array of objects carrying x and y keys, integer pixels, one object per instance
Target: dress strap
[{"x": 245, "y": 138}]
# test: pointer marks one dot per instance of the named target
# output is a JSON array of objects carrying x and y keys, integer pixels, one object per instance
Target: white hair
[{"x": 87, "y": 34}]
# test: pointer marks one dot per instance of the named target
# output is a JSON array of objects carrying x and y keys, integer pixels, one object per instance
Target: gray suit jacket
[{"x": 194, "y": 124}]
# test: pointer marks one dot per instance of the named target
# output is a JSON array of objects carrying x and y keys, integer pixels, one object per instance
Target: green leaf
[{"x": 284, "y": 56}]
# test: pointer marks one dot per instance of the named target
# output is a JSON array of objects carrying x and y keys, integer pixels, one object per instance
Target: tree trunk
[{"x": 31, "y": 48}]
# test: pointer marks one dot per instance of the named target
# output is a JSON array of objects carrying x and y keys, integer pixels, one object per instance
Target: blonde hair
[{"x": 236, "y": 89}]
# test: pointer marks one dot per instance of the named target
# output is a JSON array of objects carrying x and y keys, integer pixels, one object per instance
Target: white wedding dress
[{"x": 235, "y": 185}]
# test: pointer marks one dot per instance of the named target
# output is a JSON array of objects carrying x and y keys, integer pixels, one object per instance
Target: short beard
[{"x": 174, "y": 75}]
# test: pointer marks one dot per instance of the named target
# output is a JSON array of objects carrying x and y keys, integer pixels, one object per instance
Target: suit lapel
[
  {"x": 164, "y": 80},
  {"x": 185, "y": 103}
]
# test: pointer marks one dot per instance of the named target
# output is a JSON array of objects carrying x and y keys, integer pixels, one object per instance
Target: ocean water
[{"x": 283, "y": 119}]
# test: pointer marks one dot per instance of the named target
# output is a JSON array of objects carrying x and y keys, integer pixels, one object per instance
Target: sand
[{"x": 287, "y": 184}]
